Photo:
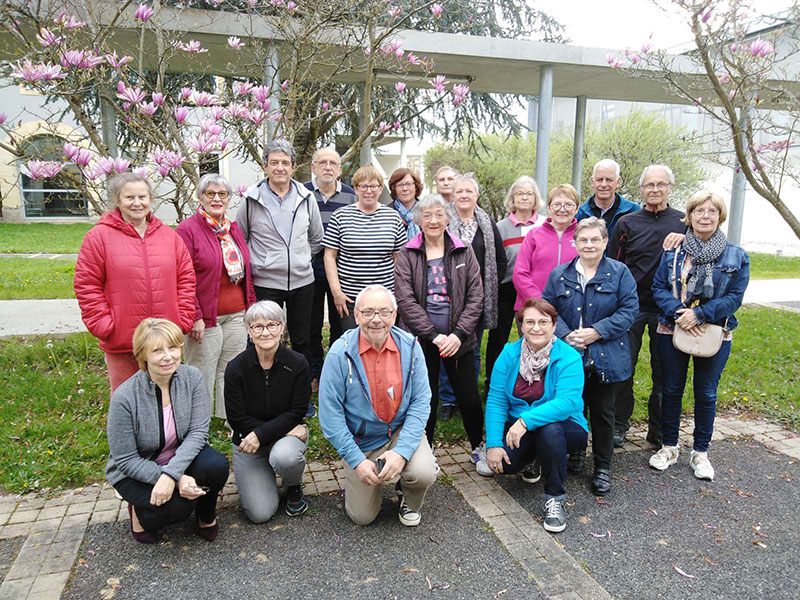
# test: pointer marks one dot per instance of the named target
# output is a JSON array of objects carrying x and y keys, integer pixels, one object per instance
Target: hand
[
  {"x": 162, "y": 490},
  {"x": 495, "y": 457},
  {"x": 673, "y": 240},
  {"x": 450, "y": 346},
  {"x": 575, "y": 340},
  {"x": 515, "y": 433},
  {"x": 250, "y": 443},
  {"x": 393, "y": 467},
  {"x": 196, "y": 332},
  {"x": 300, "y": 432},
  {"x": 586, "y": 335},
  {"x": 188, "y": 488},
  {"x": 686, "y": 320},
  {"x": 367, "y": 472},
  {"x": 340, "y": 299}
]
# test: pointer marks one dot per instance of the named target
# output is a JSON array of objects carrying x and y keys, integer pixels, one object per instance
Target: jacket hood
[
  {"x": 417, "y": 240},
  {"x": 114, "y": 219}
]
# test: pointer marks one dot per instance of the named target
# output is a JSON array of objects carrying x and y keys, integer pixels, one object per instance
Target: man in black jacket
[{"x": 638, "y": 241}]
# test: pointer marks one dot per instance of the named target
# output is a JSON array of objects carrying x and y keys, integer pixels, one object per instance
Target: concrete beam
[
  {"x": 577, "y": 144},
  {"x": 543, "y": 126}
]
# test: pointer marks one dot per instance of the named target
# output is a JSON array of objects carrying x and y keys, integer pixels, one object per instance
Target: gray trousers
[{"x": 255, "y": 475}]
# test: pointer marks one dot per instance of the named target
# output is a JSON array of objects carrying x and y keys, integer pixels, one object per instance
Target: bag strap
[
  {"x": 247, "y": 215},
  {"x": 675, "y": 273}
]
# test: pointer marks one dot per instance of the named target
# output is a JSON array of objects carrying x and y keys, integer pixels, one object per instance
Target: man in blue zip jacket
[
  {"x": 374, "y": 401},
  {"x": 606, "y": 203}
]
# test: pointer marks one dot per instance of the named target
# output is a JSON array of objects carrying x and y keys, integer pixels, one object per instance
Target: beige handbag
[{"x": 705, "y": 345}]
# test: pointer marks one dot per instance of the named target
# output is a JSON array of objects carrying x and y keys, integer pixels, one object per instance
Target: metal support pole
[
  {"x": 577, "y": 144},
  {"x": 533, "y": 112},
  {"x": 739, "y": 188},
  {"x": 543, "y": 125}
]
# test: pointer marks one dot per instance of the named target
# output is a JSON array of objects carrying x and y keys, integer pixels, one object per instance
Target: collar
[
  {"x": 517, "y": 223},
  {"x": 364, "y": 346},
  {"x": 316, "y": 187}
]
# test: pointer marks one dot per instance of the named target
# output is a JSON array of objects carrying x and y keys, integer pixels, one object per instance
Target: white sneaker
[
  {"x": 482, "y": 466},
  {"x": 701, "y": 465},
  {"x": 477, "y": 453},
  {"x": 668, "y": 455}
]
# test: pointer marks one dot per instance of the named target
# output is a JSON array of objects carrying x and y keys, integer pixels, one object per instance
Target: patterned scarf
[
  {"x": 231, "y": 256},
  {"x": 700, "y": 283},
  {"x": 532, "y": 363},
  {"x": 491, "y": 285},
  {"x": 408, "y": 216}
]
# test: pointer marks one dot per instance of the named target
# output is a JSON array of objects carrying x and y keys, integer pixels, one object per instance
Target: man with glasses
[
  {"x": 281, "y": 223},
  {"x": 606, "y": 203},
  {"x": 638, "y": 240},
  {"x": 374, "y": 401},
  {"x": 326, "y": 169}
]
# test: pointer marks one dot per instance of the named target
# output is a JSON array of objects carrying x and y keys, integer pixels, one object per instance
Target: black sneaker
[
  {"x": 296, "y": 503},
  {"x": 446, "y": 412},
  {"x": 619, "y": 438},
  {"x": 555, "y": 516},
  {"x": 533, "y": 472},
  {"x": 311, "y": 411},
  {"x": 407, "y": 516},
  {"x": 575, "y": 462}
]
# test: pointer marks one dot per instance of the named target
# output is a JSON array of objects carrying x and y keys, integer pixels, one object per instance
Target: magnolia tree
[
  {"x": 748, "y": 86},
  {"x": 172, "y": 104}
]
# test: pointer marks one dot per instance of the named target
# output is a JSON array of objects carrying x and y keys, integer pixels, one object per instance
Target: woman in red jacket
[
  {"x": 131, "y": 266},
  {"x": 224, "y": 286}
]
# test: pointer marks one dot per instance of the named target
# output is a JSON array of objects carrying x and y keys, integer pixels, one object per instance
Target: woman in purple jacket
[{"x": 224, "y": 285}]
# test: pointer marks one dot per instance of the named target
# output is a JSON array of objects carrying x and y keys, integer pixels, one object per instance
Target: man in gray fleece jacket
[{"x": 281, "y": 223}]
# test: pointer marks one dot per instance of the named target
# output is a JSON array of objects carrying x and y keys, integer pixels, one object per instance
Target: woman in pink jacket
[
  {"x": 131, "y": 266},
  {"x": 548, "y": 245},
  {"x": 224, "y": 286}
]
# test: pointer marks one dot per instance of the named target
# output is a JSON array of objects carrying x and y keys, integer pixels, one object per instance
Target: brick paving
[{"x": 54, "y": 528}]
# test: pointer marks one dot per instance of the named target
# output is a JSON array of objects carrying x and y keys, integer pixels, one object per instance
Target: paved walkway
[{"x": 53, "y": 529}]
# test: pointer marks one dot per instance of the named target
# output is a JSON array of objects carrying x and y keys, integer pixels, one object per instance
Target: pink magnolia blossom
[
  {"x": 47, "y": 38},
  {"x": 203, "y": 143},
  {"x": 276, "y": 116},
  {"x": 413, "y": 58},
  {"x": 204, "y": 98},
  {"x": 395, "y": 11},
  {"x": 260, "y": 94},
  {"x": 276, "y": 3},
  {"x": 90, "y": 61},
  {"x": 761, "y": 48},
  {"x": 724, "y": 78},
  {"x": 252, "y": 3},
  {"x": 400, "y": 87},
  {"x": 192, "y": 47},
  {"x": 291, "y": 6},
  {"x": 285, "y": 84},
  {"x": 126, "y": 106},
  {"x": 614, "y": 62},
  {"x": 30, "y": 72},
  {"x": 180, "y": 113},
  {"x": 646, "y": 47},
  {"x": 396, "y": 125},
  {"x": 241, "y": 190},
  {"x": 186, "y": 93},
  {"x": 238, "y": 111},
  {"x": 143, "y": 13},
  {"x": 41, "y": 169},
  {"x": 217, "y": 112},
  {"x": 158, "y": 98},
  {"x": 242, "y": 88},
  {"x": 140, "y": 171},
  {"x": 439, "y": 83},
  {"x": 436, "y": 10},
  {"x": 148, "y": 108},
  {"x": 325, "y": 106},
  {"x": 166, "y": 160},
  {"x": 76, "y": 154},
  {"x": 706, "y": 14},
  {"x": 635, "y": 58},
  {"x": 235, "y": 43},
  {"x": 395, "y": 45},
  {"x": 257, "y": 116},
  {"x": 72, "y": 58},
  {"x": 134, "y": 95},
  {"x": 70, "y": 22},
  {"x": 399, "y": 53},
  {"x": 383, "y": 127},
  {"x": 459, "y": 93},
  {"x": 734, "y": 48},
  {"x": 116, "y": 62},
  {"x": 223, "y": 144},
  {"x": 210, "y": 127},
  {"x": 3, "y": 117}
]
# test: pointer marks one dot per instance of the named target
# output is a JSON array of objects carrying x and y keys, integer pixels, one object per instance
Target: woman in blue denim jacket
[
  {"x": 597, "y": 302},
  {"x": 712, "y": 275}
]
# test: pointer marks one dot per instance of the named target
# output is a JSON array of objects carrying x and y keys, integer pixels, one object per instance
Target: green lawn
[
  {"x": 55, "y": 238},
  {"x": 30, "y": 278},
  {"x": 769, "y": 266},
  {"x": 55, "y": 400}
]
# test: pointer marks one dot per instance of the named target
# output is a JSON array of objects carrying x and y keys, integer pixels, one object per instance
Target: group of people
[{"x": 410, "y": 288}]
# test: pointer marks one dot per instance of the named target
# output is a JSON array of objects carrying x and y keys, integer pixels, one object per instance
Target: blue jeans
[
  {"x": 447, "y": 396},
  {"x": 707, "y": 372},
  {"x": 550, "y": 444}
]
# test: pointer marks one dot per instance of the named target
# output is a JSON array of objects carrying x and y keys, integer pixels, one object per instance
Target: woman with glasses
[
  {"x": 596, "y": 300},
  {"x": 267, "y": 389},
  {"x": 221, "y": 262},
  {"x": 405, "y": 187},
  {"x": 703, "y": 284},
  {"x": 440, "y": 299},
  {"x": 548, "y": 245},
  {"x": 361, "y": 243},
  {"x": 534, "y": 409}
]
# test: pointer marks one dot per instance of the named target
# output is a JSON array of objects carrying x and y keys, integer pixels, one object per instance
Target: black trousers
[
  {"x": 461, "y": 372},
  {"x": 625, "y": 399},
  {"x": 298, "y": 314},
  {"x": 209, "y": 468},
  {"x": 600, "y": 399},
  {"x": 498, "y": 337},
  {"x": 322, "y": 291}
]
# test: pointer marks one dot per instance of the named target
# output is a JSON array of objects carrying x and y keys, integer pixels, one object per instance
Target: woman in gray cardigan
[{"x": 159, "y": 460}]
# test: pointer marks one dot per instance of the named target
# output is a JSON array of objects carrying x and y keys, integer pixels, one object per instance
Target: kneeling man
[{"x": 374, "y": 401}]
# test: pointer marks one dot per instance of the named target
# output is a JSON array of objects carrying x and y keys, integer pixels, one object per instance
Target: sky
[{"x": 627, "y": 23}]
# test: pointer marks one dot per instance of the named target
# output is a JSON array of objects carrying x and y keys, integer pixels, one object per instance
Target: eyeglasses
[
  {"x": 656, "y": 186},
  {"x": 430, "y": 216},
  {"x": 210, "y": 195},
  {"x": 594, "y": 240},
  {"x": 564, "y": 205},
  {"x": 368, "y": 187},
  {"x": 524, "y": 195},
  {"x": 272, "y": 327},
  {"x": 404, "y": 184},
  {"x": 369, "y": 313},
  {"x": 327, "y": 163},
  {"x": 711, "y": 212},
  {"x": 542, "y": 323}
]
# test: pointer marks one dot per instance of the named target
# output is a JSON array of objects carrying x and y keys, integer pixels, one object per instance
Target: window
[{"x": 59, "y": 196}]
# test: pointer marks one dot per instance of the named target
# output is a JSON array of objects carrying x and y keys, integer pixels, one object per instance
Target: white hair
[
  {"x": 375, "y": 287},
  {"x": 664, "y": 168},
  {"x": 605, "y": 163}
]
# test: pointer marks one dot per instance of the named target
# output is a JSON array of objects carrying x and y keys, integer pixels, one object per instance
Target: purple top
[{"x": 170, "y": 436}]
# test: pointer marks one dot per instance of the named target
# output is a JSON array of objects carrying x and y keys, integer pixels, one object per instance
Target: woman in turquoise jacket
[{"x": 535, "y": 406}]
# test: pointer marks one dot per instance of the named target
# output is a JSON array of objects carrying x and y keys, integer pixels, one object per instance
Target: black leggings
[{"x": 209, "y": 468}]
